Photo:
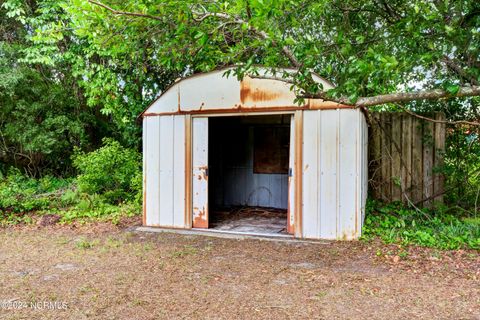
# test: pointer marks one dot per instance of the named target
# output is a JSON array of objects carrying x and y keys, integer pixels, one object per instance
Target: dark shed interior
[{"x": 248, "y": 173}]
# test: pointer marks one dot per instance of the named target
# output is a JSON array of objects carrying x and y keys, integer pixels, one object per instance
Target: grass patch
[
  {"x": 83, "y": 243},
  {"x": 394, "y": 223},
  {"x": 186, "y": 251}
]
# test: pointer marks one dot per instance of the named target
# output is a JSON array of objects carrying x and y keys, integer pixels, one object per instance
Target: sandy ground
[{"x": 104, "y": 272}]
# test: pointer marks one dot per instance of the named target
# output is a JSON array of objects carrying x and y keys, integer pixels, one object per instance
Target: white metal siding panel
[
  {"x": 144, "y": 168},
  {"x": 333, "y": 173},
  {"x": 166, "y": 170},
  {"x": 349, "y": 186},
  {"x": 329, "y": 126},
  {"x": 179, "y": 172},
  {"x": 151, "y": 156},
  {"x": 200, "y": 165},
  {"x": 310, "y": 182}
]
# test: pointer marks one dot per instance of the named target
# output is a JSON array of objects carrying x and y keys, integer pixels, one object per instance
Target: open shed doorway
[{"x": 249, "y": 166}]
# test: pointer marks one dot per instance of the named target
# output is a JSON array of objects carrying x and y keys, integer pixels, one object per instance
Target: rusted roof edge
[{"x": 177, "y": 81}]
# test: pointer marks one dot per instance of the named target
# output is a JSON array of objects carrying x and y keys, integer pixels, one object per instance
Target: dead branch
[
  {"x": 452, "y": 65},
  {"x": 460, "y": 122},
  {"x": 397, "y": 97}
]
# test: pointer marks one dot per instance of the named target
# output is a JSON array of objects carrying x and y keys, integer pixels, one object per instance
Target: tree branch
[
  {"x": 203, "y": 16},
  {"x": 261, "y": 33},
  {"x": 452, "y": 65},
  {"x": 125, "y": 13},
  {"x": 471, "y": 123},
  {"x": 434, "y": 94}
]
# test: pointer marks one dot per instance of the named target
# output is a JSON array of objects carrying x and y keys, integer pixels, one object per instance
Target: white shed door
[{"x": 200, "y": 172}]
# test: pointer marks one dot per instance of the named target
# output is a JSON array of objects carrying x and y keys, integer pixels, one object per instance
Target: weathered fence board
[{"x": 405, "y": 155}]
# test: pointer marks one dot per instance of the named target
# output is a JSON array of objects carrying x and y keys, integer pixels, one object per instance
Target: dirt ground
[{"x": 105, "y": 272}]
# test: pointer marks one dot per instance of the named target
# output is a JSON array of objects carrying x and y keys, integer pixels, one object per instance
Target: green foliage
[
  {"x": 20, "y": 194},
  {"x": 462, "y": 169},
  {"x": 396, "y": 224},
  {"x": 108, "y": 188},
  {"x": 43, "y": 114},
  {"x": 364, "y": 47},
  {"x": 112, "y": 171}
]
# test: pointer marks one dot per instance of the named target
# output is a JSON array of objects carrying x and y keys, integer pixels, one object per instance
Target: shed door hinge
[{"x": 290, "y": 172}]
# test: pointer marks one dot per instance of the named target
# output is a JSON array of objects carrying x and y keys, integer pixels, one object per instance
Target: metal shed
[{"x": 214, "y": 141}]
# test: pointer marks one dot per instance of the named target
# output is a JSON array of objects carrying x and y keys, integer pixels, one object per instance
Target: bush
[
  {"x": 20, "y": 194},
  {"x": 394, "y": 223},
  {"x": 111, "y": 171}
]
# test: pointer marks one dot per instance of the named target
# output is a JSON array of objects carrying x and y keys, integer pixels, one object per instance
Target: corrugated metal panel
[
  {"x": 350, "y": 139},
  {"x": 164, "y": 171},
  {"x": 311, "y": 174},
  {"x": 329, "y": 125},
  {"x": 334, "y": 176},
  {"x": 166, "y": 142},
  {"x": 179, "y": 172},
  {"x": 144, "y": 169},
  {"x": 152, "y": 156},
  {"x": 200, "y": 172}
]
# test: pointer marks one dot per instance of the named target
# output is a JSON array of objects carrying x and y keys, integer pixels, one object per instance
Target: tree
[
  {"x": 43, "y": 114},
  {"x": 374, "y": 51}
]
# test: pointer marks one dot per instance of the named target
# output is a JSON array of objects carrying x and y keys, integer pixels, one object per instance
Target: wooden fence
[{"x": 405, "y": 155}]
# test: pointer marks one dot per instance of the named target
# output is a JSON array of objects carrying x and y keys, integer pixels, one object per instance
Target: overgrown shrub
[
  {"x": 394, "y": 223},
  {"x": 462, "y": 169},
  {"x": 111, "y": 171},
  {"x": 20, "y": 194}
]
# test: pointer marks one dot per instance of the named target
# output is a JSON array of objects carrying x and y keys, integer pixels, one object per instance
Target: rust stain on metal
[
  {"x": 347, "y": 235},
  {"x": 200, "y": 219},
  {"x": 178, "y": 98},
  {"x": 204, "y": 175},
  {"x": 251, "y": 93},
  {"x": 243, "y": 109},
  {"x": 290, "y": 226}
]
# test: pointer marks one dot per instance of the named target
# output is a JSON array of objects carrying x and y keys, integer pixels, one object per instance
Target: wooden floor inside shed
[{"x": 256, "y": 220}]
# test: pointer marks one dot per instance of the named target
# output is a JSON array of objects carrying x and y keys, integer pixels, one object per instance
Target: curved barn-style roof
[{"x": 213, "y": 92}]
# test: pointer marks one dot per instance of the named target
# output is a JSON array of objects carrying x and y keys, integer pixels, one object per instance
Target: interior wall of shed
[{"x": 238, "y": 175}]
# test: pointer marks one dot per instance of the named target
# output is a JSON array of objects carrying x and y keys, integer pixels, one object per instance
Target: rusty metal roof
[{"x": 213, "y": 92}]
